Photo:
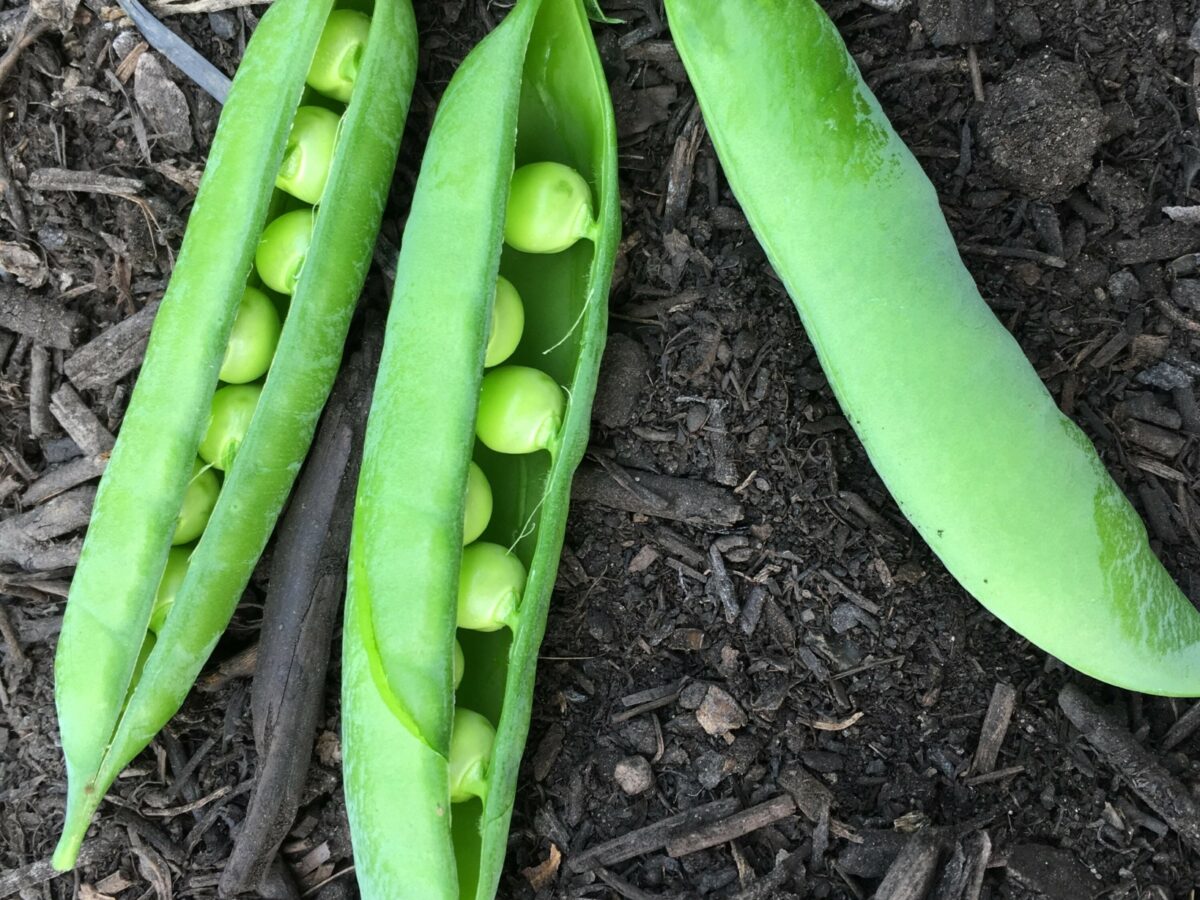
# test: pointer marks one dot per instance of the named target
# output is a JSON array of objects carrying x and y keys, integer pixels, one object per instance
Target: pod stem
[{"x": 80, "y": 810}]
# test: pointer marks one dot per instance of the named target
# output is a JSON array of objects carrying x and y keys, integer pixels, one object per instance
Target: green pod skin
[
  {"x": 536, "y": 76},
  {"x": 1006, "y": 490},
  {"x": 198, "y": 502},
  {"x": 139, "y": 498}
]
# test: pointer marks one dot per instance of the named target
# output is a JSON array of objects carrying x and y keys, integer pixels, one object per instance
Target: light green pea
[
  {"x": 198, "y": 503},
  {"x": 309, "y": 154},
  {"x": 520, "y": 410},
  {"x": 549, "y": 208},
  {"x": 490, "y": 584},
  {"x": 460, "y": 664},
  {"x": 253, "y": 339},
  {"x": 283, "y": 248},
  {"x": 232, "y": 409},
  {"x": 479, "y": 504},
  {"x": 507, "y": 324},
  {"x": 471, "y": 741},
  {"x": 339, "y": 54},
  {"x": 168, "y": 586}
]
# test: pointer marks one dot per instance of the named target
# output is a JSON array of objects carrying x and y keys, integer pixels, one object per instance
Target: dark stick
[
  {"x": 308, "y": 575},
  {"x": 1160, "y": 790},
  {"x": 735, "y": 826}
]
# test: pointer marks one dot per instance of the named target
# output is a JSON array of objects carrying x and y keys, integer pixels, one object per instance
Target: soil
[{"x": 793, "y": 629}]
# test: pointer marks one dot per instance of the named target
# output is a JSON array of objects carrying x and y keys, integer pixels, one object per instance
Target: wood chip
[
  {"x": 41, "y": 422},
  {"x": 63, "y": 478},
  {"x": 47, "y": 323},
  {"x": 1185, "y": 726},
  {"x": 1157, "y": 787},
  {"x": 28, "y": 540},
  {"x": 912, "y": 873},
  {"x": 112, "y": 355},
  {"x": 52, "y": 179},
  {"x": 683, "y": 499},
  {"x": 962, "y": 878},
  {"x": 995, "y": 726},
  {"x": 651, "y": 837},
  {"x": 79, "y": 422},
  {"x": 732, "y": 827}
]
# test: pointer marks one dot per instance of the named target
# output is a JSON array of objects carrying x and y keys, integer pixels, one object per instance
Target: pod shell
[
  {"x": 1006, "y": 490},
  {"x": 140, "y": 494},
  {"x": 397, "y": 693}
]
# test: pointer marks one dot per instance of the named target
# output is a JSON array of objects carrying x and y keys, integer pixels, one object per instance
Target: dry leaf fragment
[{"x": 543, "y": 874}]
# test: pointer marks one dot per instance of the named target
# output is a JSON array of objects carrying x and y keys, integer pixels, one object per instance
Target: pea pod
[
  {"x": 140, "y": 495},
  {"x": 533, "y": 91},
  {"x": 1005, "y": 489}
]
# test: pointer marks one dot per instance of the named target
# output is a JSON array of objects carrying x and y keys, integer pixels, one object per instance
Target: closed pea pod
[
  {"x": 1004, "y": 488},
  {"x": 106, "y": 713},
  {"x": 429, "y": 789}
]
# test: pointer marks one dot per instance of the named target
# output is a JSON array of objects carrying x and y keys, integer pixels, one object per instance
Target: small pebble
[
  {"x": 719, "y": 713},
  {"x": 1123, "y": 286},
  {"x": 223, "y": 24},
  {"x": 634, "y": 775}
]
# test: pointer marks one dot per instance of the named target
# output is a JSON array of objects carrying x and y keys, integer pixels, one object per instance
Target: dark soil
[{"x": 796, "y": 611}]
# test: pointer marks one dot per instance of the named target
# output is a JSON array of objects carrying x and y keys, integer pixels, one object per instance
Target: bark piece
[
  {"x": 41, "y": 422},
  {"x": 662, "y": 496},
  {"x": 651, "y": 837},
  {"x": 46, "y": 323},
  {"x": 79, "y": 422},
  {"x": 732, "y": 827},
  {"x": 28, "y": 540},
  {"x": 995, "y": 727},
  {"x": 912, "y": 872},
  {"x": 63, "y": 478},
  {"x": 1159, "y": 790},
  {"x": 112, "y": 355}
]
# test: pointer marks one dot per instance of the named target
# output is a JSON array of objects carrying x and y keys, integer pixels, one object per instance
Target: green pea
[
  {"x": 168, "y": 587},
  {"x": 460, "y": 664},
  {"x": 479, "y": 504},
  {"x": 549, "y": 208},
  {"x": 309, "y": 154},
  {"x": 471, "y": 740},
  {"x": 507, "y": 324},
  {"x": 232, "y": 409},
  {"x": 490, "y": 584},
  {"x": 283, "y": 248},
  {"x": 520, "y": 410},
  {"x": 253, "y": 339},
  {"x": 339, "y": 54},
  {"x": 198, "y": 502}
]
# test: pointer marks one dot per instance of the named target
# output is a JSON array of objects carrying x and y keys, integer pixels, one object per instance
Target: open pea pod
[
  {"x": 1005, "y": 489},
  {"x": 109, "y": 705},
  {"x": 531, "y": 95}
]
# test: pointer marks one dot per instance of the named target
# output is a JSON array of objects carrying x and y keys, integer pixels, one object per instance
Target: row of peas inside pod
[
  {"x": 278, "y": 260},
  {"x": 521, "y": 411}
]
